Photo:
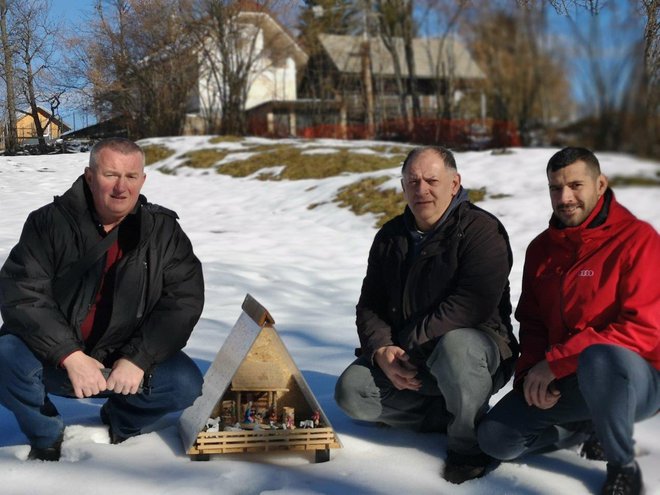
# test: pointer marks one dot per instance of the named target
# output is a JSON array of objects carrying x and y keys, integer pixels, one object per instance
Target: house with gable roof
[
  {"x": 276, "y": 61},
  {"x": 444, "y": 70}
]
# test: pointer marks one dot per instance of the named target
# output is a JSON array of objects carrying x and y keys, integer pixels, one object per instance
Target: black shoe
[
  {"x": 115, "y": 438},
  {"x": 464, "y": 467},
  {"x": 52, "y": 453},
  {"x": 623, "y": 480},
  {"x": 592, "y": 449}
]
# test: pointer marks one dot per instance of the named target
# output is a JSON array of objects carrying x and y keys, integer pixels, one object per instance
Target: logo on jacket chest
[{"x": 585, "y": 273}]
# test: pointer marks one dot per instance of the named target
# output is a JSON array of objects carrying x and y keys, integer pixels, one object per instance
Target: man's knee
[
  {"x": 16, "y": 357},
  {"x": 600, "y": 365},
  {"x": 499, "y": 440},
  {"x": 185, "y": 380},
  {"x": 350, "y": 393},
  {"x": 601, "y": 359},
  {"x": 464, "y": 351}
]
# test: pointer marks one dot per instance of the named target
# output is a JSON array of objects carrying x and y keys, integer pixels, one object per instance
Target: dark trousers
[
  {"x": 459, "y": 378},
  {"x": 25, "y": 384},
  {"x": 612, "y": 389}
]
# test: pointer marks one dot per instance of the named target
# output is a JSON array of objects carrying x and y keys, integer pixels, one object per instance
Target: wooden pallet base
[{"x": 320, "y": 440}]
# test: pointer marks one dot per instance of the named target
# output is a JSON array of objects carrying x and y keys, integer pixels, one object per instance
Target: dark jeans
[
  {"x": 612, "y": 389},
  {"x": 456, "y": 384},
  {"x": 25, "y": 383}
]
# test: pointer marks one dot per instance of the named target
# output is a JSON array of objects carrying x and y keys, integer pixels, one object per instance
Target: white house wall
[{"x": 268, "y": 81}]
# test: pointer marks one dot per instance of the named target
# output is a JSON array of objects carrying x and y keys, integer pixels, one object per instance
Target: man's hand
[
  {"x": 539, "y": 388},
  {"x": 125, "y": 377},
  {"x": 395, "y": 364},
  {"x": 84, "y": 374}
]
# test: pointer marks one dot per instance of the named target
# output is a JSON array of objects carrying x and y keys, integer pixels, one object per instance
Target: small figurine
[
  {"x": 213, "y": 425},
  {"x": 248, "y": 417},
  {"x": 272, "y": 418},
  {"x": 289, "y": 418},
  {"x": 316, "y": 418}
]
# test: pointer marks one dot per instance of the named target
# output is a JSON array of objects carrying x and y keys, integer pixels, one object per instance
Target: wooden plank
[
  {"x": 265, "y": 440},
  {"x": 256, "y": 311}
]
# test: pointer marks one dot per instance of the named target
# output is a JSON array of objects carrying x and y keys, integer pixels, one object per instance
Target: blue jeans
[
  {"x": 612, "y": 389},
  {"x": 25, "y": 384},
  {"x": 458, "y": 380}
]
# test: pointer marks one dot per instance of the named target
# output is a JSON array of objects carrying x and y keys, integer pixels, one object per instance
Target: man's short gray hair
[
  {"x": 118, "y": 144},
  {"x": 445, "y": 155}
]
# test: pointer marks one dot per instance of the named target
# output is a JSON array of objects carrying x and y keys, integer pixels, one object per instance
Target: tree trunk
[
  {"x": 368, "y": 89},
  {"x": 11, "y": 138},
  {"x": 410, "y": 60}
]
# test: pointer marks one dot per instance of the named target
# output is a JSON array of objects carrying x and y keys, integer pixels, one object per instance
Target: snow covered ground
[{"x": 306, "y": 267}]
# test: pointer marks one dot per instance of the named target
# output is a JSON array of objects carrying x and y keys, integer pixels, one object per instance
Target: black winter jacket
[
  {"x": 159, "y": 287},
  {"x": 458, "y": 279}
]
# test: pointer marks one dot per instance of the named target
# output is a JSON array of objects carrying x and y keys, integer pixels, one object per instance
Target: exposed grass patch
[
  {"x": 226, "y": 139},
  {"x": 365, "y": 196},
  {"x": 316, "y": 205},
  {"x": 204, "y": 158},
  {"x": 156, "y": 152},
  {"x": 476, "y": 195},
  {"x": 634, "y": 180},
  {"x": 298, "y": 165},
  {"x": 266, "y": 156},
  {"x": 500, "y": 196},
  {"x": 402, "y": 150}
]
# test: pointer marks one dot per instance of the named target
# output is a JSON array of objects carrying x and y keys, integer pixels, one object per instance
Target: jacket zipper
[{"x": 143, "y": 291}]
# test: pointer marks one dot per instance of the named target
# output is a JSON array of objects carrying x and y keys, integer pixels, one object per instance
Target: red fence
[{"x": 460, "y": 134}]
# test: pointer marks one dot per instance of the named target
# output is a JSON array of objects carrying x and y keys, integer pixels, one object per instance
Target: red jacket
[{"x": 597, "y": 283}]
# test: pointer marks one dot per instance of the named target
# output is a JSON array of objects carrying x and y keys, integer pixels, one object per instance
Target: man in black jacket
[
  {"x": 434, "y": 315},
  {"x": 98, "y": 298}
]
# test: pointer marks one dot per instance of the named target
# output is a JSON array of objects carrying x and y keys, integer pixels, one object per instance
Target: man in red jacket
[{"x": 589, "y": 319}]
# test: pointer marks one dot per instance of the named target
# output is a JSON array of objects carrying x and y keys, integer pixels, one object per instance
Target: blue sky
[{"x": 72, "y": 10}]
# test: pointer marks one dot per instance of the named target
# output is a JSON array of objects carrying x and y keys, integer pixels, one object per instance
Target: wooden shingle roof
[{"x": 434, "y": 57}]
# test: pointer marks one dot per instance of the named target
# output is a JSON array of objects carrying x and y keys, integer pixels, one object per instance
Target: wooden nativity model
[{"x": 254, "y": 398}]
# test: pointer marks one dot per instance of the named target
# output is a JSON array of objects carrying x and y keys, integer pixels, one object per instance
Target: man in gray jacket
[
  {"x": 98, "y": 298},
  {"x": 434, "y": 315}
]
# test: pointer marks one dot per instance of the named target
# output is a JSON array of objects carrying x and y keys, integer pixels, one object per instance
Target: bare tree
[
  {"x": 611, "y": 70},
  {"x": 229, "y": 52},
  {"x": 11, "y": 141},
  {"x": 34, "y": 38},
  {"x": 451, "y": 13},
  {"x": 320, "y": 82},
  {"x": 391, "y": 34},
  {"x": 521, "y": 67},
  {"x": 140, "y": 66},
  {"x": 637, "y": 105},
  {"x": 234, "y": 50}
]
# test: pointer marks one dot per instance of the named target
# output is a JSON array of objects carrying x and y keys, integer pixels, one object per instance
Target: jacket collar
[
  {"x": 607, "y": 218},
  {"x": 78, "y": 204},
  {"x": 418, "y": 236},
  {"x": 596, "y": 218}
]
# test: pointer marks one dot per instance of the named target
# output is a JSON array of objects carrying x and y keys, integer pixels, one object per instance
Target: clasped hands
[
  {"x": 539, "y": 387},
  {"x": 396, "y": 365},
  {"x": 87, "y": 380}
]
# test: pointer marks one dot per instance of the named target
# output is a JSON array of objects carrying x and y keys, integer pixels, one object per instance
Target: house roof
[
  {"x": 434, "y": 57},
  {"x": 23, "y": 114},
  {"x": 278, "y": 38}
]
